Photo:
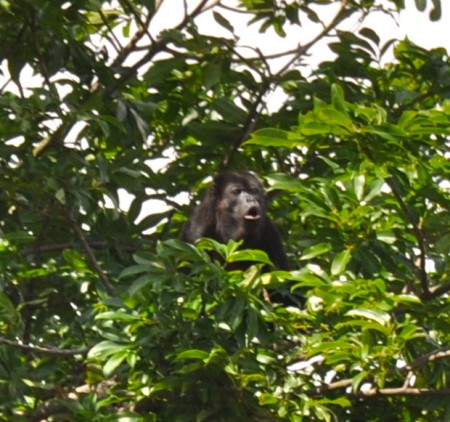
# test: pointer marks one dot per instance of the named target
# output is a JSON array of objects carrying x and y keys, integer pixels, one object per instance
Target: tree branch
[
  {"x": 418, "y": 234},
  {"x": 45, "y": 350},
  {"x": 60, "y": 133},
  {"x": 437, "y": 291},
  {"x": 90, "y": 255},
  {"x": 301, "y": 50},
  {"x": 397, "y": 391},
  {"x": 63, "y": 403},
  {"x": 403, "y": 391},
  {"x": 377, "y": 392},
  {"x": 430, "y": 357},
  {"x": 143, "y": 30}
]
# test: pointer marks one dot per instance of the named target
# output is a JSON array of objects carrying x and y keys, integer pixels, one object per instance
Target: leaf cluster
[{"x": 109, "y": 124}]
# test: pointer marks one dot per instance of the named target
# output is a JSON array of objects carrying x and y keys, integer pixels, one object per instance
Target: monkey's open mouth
[{"x": 252, "y": 214}]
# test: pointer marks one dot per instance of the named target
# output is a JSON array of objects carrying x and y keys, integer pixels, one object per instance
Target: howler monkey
[{"x": 235, "y": 208}]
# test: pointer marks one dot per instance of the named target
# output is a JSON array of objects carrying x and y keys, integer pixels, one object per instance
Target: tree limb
[
  {"x": 45, "y": 350},
  {"x": 396, "y": 391},
  {"x": 430, "y": 357},
  {"x": 418, "y": 234},
  {"x": 403, "y": 391}
]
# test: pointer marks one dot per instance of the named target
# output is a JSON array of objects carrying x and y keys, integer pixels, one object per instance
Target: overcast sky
[{"x": 412, "y": 23}]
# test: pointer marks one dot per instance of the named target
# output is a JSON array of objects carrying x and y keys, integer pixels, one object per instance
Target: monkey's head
[{"x": 240, "y": 205}]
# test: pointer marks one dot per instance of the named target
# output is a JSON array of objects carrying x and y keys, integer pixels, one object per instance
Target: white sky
[{"x": 412, "y": 23}]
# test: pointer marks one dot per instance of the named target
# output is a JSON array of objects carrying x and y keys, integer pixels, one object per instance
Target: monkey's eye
[{"x": 237, "y": 191}]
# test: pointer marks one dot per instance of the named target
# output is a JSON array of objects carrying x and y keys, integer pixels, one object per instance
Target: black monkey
[{"x": 235, "y": 208}]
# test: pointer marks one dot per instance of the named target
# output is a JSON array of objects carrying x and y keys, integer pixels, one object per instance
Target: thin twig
[
  {"x": 90, "y": 255},
  {"x": 113, "y": 40},
  {"x": 142, "y": 24},
  {"x": 301, "y": 50}
]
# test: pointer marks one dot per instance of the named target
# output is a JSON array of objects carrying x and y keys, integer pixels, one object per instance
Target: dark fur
[{"x": 235, "y": 208}]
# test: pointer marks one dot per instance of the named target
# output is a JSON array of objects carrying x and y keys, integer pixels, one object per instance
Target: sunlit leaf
[
  {"x": 381, "y": 318},
  {"x": 340, "y": 262},
  {"x": 316, "y": 250}
]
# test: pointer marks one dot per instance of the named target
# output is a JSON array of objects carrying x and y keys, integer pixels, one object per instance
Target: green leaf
[
  {"x": 374, "y": 190},
  {"x": 421, "y": 5},
  {"x": 140, "y": 283},
  {"x": 436, "y": 12},
  {"x": 320, "y": 128},
  {"x": 138, "y": 269},
  {"x": 193, "y": 354},
  {"x": 358, "y": 185},
  {"x": 358, "y": 379},
  {"x": 106, "y": 348},
  {"x": 443, "y": 244},
  {"x": 370, "y": 34},
  {"x": 278, "y": 181},
  {"x": 272, "y": 138},
  {"x": 340, "y": 262},
  {"x": 118, "y": 316},
  {"x": 307, "y": 280},
  {"x": 316, "y": 250},
  {"x": 230, "y": 111},
  {"x": 380, "y": 317},
  {"x": 253, "y": 255},
  {"x": 387, "y": 236},
  {"x": 113, "y": 363},
  {"x": 152, "y": 220},
  {"x": 338, "y": 100},
  {"x": 336, "y": 117},
  {"x": 411, "y": 332},
  {"x": 223, "y": 21}
]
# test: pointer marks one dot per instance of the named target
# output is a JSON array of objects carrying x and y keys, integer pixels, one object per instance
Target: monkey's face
[{"x": 240, "y": 206}]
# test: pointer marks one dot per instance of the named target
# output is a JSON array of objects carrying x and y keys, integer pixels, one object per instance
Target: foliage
[{"x": 104, "y": 315}]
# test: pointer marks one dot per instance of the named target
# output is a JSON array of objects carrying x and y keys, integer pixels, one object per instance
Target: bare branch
[
  {"x": 397, "y": 391},
  {"x": 325, "y": 31},
  {"x": 143, "y": 24},
  {"x": 245, "y": 12},
  {"x": 114, "y": 41},
  {"x": 132, "y": 45},
  {"x": 45, "y": 350},
  {"x": 430, "y": 357},
  {"x": 402, "y": 391},
  {"x": 377, "y": 392}
]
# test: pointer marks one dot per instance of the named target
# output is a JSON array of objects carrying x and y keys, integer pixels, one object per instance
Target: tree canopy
[{"x": 109, "y": 123}]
